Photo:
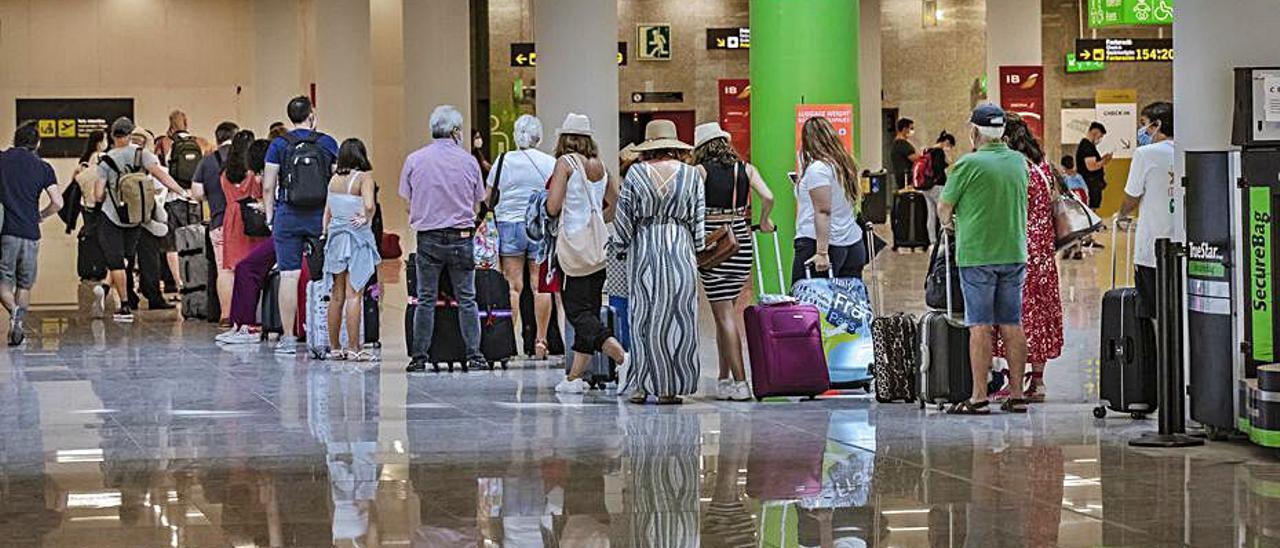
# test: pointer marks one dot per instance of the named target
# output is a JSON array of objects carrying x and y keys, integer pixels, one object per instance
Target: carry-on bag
[
  {"x": 945, "y": 375},
  {"x": 194, "y": 270},
  {"x": 269, "y": 305},
  {"x": 1127, "y": 358},
  {"x": 943, "y": 276},
  {"x": 846, "y": 326},
  {"x": 603, "y": 370},
  {"x": 894, "y": 347},
  {"x": 910, "y": 221},
  {"x": 784, "y": 342}
]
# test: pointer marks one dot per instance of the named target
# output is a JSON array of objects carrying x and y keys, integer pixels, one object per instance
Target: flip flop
[{"x": 1014, "y": 405}]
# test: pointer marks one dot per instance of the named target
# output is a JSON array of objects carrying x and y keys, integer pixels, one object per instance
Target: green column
[{"x": 802, "y": 51}]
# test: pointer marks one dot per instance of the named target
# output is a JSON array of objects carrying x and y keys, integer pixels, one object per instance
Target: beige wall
[{"x": 693, "y": 69}]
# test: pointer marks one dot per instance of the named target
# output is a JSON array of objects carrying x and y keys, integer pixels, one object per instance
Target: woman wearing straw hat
[
  {"x": 582, "y": 195},
  {"x": 729, "y": 184},
  {"x": 659, "y": 225}
]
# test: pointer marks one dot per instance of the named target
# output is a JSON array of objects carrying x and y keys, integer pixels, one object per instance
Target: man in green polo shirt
[{"x": 987, "y": 192}]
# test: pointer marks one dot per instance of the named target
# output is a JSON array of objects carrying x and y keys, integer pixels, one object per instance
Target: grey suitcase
[
  {"x": 603, "y": 370},
  {"x": 194, "y": 268},
  {"x": 942, "y": 353}
]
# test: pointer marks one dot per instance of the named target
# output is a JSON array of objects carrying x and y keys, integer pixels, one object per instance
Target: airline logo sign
[{"x": 1022, "y": 93}]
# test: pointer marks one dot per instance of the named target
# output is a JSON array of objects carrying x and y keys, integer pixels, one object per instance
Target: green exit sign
[
  {"x": 1111, "y": 13},
  {"x": 1074, "y": 65}
]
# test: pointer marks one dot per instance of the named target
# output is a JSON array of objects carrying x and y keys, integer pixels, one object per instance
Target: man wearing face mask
[
  {"x": 443, "y": 186},
  {"x": 903, "y": 155},
  {"x": 1153, "y": 193},
  {"x": 295, "y": 183}
]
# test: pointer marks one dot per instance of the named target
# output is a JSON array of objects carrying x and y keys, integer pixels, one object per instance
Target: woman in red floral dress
[{"x": 1041, "y": 299}]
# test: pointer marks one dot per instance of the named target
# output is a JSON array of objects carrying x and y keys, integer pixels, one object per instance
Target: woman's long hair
[
  {"x": 96, "y": 137},
  {"x": 718, "y": 150},
  {"x": 1019, "y": 137},
  {"x": 236, "y": 167},
  {"x": 819, "y": 143},
  {"x": 570, "y": 143}
]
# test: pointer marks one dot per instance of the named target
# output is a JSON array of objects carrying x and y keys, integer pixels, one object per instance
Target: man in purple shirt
[{"x": 443, "y": 186}]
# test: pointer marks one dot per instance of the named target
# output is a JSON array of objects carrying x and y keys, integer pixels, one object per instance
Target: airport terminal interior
[{"x": 150, "y": 433}]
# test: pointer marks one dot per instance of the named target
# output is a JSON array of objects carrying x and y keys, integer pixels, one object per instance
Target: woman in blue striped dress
[{"x": 659, "y": 226}]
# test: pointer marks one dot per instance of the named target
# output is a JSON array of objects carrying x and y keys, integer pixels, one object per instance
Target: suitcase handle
[
  {"x": 945, "y": 240},
  {"x": 777, "y": 255},
  {"x": 1115, "y": 232}
]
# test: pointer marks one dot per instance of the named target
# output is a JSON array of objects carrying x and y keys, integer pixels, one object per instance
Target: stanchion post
[{"x": 1169, "y": 380}]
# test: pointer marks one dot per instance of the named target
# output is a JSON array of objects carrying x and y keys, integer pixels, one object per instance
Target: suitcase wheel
[
  {"x": 451, "y": 367},
  {"x": 1137, "y": 416},
  {"x": 465, "y": 367},
  {"x": 436, "y": 367},
  {"x": 503, "y": 363},
  {"x": 1099, "y": 412},
  {"x": 921, "y": 403}
]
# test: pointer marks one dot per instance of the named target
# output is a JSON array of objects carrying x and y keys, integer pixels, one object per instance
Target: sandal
[
  {"x": 970, "y": 407},
  {"x": 336, "y": 355},
  {"x": 540, "y": 349},
  {"x": 638, "y": 398},
  {"x": 1014, "y": 405},
  {"x": 670, "y": 400},
  {"x": 1034, "y": 392}
]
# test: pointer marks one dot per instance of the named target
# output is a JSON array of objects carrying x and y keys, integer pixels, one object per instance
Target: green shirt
[{"x": 988, "y": 189}]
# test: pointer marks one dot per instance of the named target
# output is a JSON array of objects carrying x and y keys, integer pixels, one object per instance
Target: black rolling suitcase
[
  {"x": 945, "y": 376},
  {"x": 875, "y": 207},
  {"x": 1127, "y": 358},
  {"x": 269, "y": 305},
  {"x": 910, "y": 221}
]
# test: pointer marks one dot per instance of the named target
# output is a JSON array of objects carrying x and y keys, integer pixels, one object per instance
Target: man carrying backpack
[
  {"x": 184, "y": 158},
  {"x": 295, "y": 185},
  {"x": 127, "y": 198},
  {"x": 25, "y": 177}
]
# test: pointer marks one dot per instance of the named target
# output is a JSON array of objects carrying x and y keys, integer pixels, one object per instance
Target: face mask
[{"x": 1144, "y": 137}]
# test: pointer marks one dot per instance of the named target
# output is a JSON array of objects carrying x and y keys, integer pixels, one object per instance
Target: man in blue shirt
[
  {"x": 292, "y": 226},
  {"x": 23, "y": 178}
]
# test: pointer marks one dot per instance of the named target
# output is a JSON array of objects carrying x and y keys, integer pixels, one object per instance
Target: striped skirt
[{"x": 725, "y": 281}]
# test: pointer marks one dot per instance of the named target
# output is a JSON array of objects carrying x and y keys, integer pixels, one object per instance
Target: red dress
[
  {"x": 236, "y": 245},
  {"x": 1041, "y": 299}
]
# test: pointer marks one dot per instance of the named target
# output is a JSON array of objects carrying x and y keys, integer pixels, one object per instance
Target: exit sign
[{"x": 1074, "y": 65}]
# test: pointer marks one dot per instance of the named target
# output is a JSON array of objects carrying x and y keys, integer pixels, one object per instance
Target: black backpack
[
  {"x": 305, "y": 170},
  {"x": 184, "y": 159}
]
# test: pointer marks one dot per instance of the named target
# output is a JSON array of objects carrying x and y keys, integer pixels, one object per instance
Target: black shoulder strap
[
  {"x": 289, "y": 139},
  {"x": 137, "y": 161},
  {"x": 111, "y": 163},
  {"x": 217, "y": 155}
]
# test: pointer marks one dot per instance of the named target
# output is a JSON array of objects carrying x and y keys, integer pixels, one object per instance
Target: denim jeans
[{"x": 438, "y": 250}]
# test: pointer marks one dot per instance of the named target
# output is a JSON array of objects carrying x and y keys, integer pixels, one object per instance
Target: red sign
[
  {"x": 840, "y": 116},
  {"x": 1022, "y": 93},
  {"x": 735, "y": 114}
]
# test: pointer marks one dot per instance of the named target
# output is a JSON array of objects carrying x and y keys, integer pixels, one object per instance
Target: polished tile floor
[{"x": 150, "y": 435}]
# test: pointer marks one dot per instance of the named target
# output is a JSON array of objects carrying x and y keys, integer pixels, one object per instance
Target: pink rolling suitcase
[{"x": 784, "y": 342}]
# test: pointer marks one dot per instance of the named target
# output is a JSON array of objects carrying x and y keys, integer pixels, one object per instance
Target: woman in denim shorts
[{"x": 515, "y": 176}]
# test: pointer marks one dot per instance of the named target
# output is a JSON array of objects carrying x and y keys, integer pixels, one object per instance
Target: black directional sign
[
  {"x": 732, "y": 38},
  {"x": 524, "y": 54},
  {"x": 1125, "y": 50}
]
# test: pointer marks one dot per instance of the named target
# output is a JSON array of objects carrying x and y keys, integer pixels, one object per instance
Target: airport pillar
[
  {"x": 343, "y": 69},
  {"x": 437, "y": 65},
  {"x": 1014, "y": 38},
  {"x": 801, "y": 53},
  {"x": 577, "y": 68}
]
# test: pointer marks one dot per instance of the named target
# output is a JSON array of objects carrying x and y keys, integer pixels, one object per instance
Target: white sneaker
[
  {"x": 740, "y": 391},
  {"x": 575, "y": 386},
  {"x": 244, "y": 335},
  {"x": 99, "y": 308},
  {"x": 222, "y": 337},
  {"x": 624, "y": 369},
  {"x": 287, "y": 345},
  {"x": 724, "y": 389}
]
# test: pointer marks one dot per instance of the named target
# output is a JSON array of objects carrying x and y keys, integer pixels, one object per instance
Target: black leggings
[
  {"x": 846, "y": 261},
  {"x": 582, "y": 302}
]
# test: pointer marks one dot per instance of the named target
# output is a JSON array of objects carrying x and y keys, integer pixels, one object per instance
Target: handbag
[
  {"x": 581, "y": 251},
  {"x": 1072, "y": 219},
  {"x": 722, "y": 242},
  {"x": 255, "y": 219}
]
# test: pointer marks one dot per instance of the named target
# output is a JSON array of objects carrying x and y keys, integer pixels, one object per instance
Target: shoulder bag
[
  {"x": 1072, "y": 219},
  {"x": 581, "y": 251},
  {"x": 722, "y": 242}
]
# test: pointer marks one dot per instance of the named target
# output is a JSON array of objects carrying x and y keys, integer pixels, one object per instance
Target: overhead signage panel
[
  {"x": 1124, "y": 50},
  {"x": 525, "y": 55}
]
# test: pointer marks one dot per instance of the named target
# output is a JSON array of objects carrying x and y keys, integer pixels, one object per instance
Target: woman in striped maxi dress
[
  {"x": 659, "y": 226},
  {"x": 729, "y": 184}
]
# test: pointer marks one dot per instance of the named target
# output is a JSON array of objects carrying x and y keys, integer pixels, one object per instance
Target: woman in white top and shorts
[
  {"x": 516, "y": 176},
  {"x": 828, "y": 238}
]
